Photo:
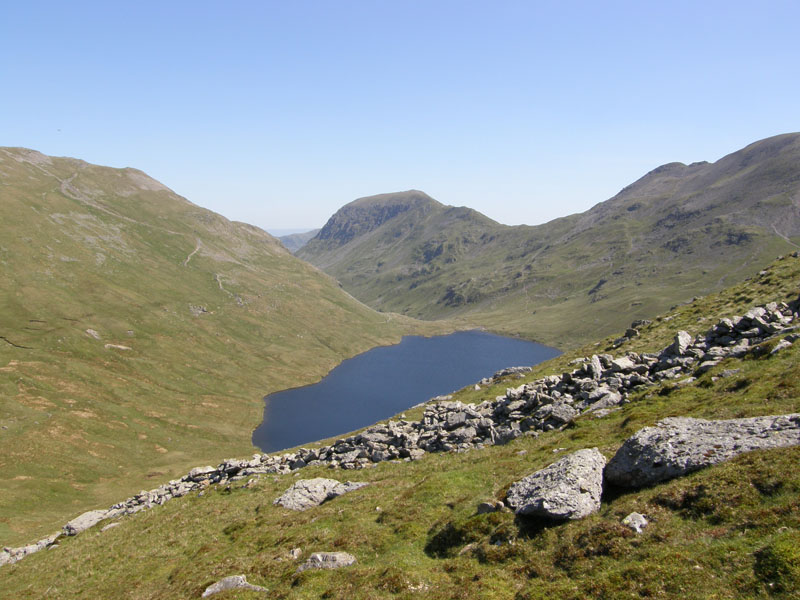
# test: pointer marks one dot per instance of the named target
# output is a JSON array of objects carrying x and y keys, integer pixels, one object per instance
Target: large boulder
[
  {"x": 308, "y": 493},
  {"x": 679, "y": 445},
  {"x": 569, "y": 488}
]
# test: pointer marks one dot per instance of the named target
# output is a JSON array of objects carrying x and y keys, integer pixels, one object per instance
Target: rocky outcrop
[
  {"x": 308, "y": 493},
  {"x": 569, "y": 488},
  {"x": 234, "y": 582},
  {"x": 327, "y": 560},
  {"x": 680, "y": 445}
]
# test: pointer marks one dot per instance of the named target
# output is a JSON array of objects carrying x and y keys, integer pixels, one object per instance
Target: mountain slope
[
  {"x": 727, "y": 531},
  {"x": 139, "y": 333},
  {"x": 679, "y": 231}
]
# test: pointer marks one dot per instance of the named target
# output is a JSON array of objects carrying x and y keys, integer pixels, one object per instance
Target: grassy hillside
[
  {"x": 678, "y": 232},
  {"x": 139, "y": 333},
  {"x": 729, "y": 531}
]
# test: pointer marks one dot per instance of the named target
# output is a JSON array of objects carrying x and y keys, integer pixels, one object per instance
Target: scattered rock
[
  {"x": 570, "y": 488},
  {"x": 635, "y": 521},
  {"x": 231, "y": 583},
  {"x": 327, "y": 560},
  {"x": 307, "y": 493},
  {"x": 679, "y": 445}
]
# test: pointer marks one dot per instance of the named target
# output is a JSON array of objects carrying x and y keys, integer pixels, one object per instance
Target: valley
[{"x": 139, "y": 332}]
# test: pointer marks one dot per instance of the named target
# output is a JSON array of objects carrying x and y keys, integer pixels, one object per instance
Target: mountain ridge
[{"x": 686, "y": 229}]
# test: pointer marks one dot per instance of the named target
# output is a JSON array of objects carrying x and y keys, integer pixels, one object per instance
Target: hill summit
[{"x": 679, "y": 231}]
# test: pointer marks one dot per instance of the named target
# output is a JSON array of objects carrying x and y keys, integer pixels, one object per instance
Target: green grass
[
  {"x": 83, "y": 425},
  {"x": 728, "y": 531}
]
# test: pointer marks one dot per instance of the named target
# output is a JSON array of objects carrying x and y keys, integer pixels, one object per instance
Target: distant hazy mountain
[
  {"x": 295, "y": 241},
  {"x": 139, "y": 333},
  {"x": 679, "y": 231}
]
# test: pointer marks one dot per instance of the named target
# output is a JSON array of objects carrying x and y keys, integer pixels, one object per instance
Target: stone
[
  {"x": 327, "y": 560},
  {"x": 199, "y": 473},
  {"x": 680, "y": 445},
  {"x": 782, "y": 345},
  {"x": 84, "y": 521},
  {"x": 635, "y": 521},
  {"x": 308, "y": 493},
  {"x": 559, "y": 412},
  {"x": 682, "y": 341},
  {"x": 570, "y": 488},
  {"x": 490, "y": 507},
  {"x": 622, "y": 364},
  {"x": 595, "y": 368},
  {"x": 233, "y": 582}
]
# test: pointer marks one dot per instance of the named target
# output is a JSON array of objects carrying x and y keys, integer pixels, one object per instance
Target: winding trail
[
  {"x": 193, "y": 252},
  {"x": 786, "y": 239}
]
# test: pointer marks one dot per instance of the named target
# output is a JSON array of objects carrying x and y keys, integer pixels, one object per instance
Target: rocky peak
[{"x": 367, "y": 214}]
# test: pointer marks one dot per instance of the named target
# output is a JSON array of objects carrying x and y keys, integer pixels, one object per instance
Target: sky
[{"x": 277, "y": 113}]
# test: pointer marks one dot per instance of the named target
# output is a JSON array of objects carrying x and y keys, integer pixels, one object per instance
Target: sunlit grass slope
[
  {"x": 730, "y": 531},
  {"x": 139, "y": 333}
]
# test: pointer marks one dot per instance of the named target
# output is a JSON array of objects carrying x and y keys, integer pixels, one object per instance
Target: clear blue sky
[{"x": 279, "y": 112}]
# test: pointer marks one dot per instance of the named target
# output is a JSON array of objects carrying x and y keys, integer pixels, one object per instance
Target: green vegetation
[
  {"x": 729, "y": 531},
  {"x": 139, "y": 333},
  {"x": 680, "y": 231}
]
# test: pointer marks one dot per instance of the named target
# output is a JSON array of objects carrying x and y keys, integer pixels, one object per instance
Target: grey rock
[
  {"x": 682, "y": 341},
  {"x": 622, "y": 364},
  {"x": 679, "y": 445},
  {"x": 307, "y": 493},
  {"x": 570, "y": 488},
  {"x": 595, "y": 367},
  {"x": 199, "y": 473},
  {"x": 231, "y": 583},
  {"x": 635, "y": 521},
  {"x": 782, "y": 345},
  {"x": 327, "y": 560},
  {"x": 84, "y": 521}
]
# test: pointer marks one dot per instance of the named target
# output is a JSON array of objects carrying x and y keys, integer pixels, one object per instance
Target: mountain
[
  {"x": 139, "y": 333},
  {"x": 295, "y": 241},
  {"x": 679, "y": 231},
  {"x": 429, "y": 527}
]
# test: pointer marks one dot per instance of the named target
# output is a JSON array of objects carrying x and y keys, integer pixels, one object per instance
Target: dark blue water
[{"x": 385, "y": 381}]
